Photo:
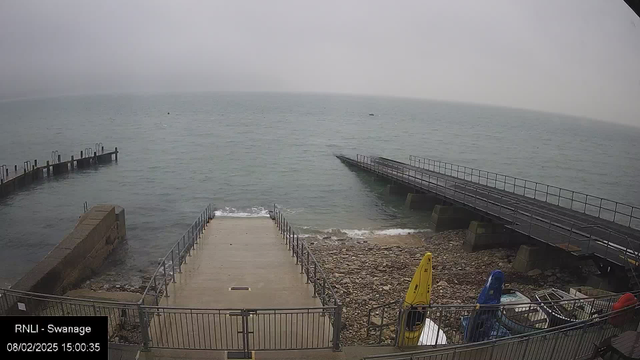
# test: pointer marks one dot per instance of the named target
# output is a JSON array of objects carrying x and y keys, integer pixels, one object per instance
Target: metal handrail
[
  {"x": 433, "y": 183},
  {"x": 324, "y": 290},
  {"x": 54, "y": 156},
  {"x": 177, "y": 255},
  {"x": 235, "y": 309},
  {"x": 476, "y": 306},
  {"x": 298, "y": 249},
  {"x": 578, "y": 325},
  {"x": 48, "y": 297},
  {"x": 539, "y": 188},
  {"x": 388, "y": 314},
  {"x": 534, "y": 208}
]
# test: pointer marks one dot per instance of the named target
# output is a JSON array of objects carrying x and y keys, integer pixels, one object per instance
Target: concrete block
[
  {"x": 420, "y": 201},
  {"x": 451, "y": 218},
  {"x": 530, "y": 257},
  {"x": 609, "y": 283},
  {"x": 542, "y": 257},
  {"x": 481, "y": 235}
]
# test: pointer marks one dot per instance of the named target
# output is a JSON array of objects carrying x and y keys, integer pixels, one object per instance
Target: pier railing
[
  {"x": 615, "y": 211},
  {"x": 308, "y": 264},
  {"x": 447, "y": 323},
  {"x": 165, "y": 273},
  {"x": 571, "y": 341},
  {"x": 312, "y": 270},
  {"x": 31, "y": 171},
  {"x": 522, "y": 217}
]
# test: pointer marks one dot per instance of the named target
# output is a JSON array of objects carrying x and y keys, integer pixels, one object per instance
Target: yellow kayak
[{"x": 417, "y": 298}]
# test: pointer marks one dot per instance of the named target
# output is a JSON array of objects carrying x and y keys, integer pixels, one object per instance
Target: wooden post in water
[
  {"x": 71, "y": 162},
  {"x": 48, "y": 174},
  {"x": 59, "y": 157},
  {"x": 15, "y": 167},
  {"x": 35, "y": 163},
  {"x": 116, "y": 153}
]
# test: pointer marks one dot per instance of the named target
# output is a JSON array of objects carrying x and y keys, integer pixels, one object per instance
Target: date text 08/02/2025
[{"x": 42, "y": 337}]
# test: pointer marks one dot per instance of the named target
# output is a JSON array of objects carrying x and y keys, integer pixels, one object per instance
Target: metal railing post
[
  {"x": 155, "y": 290},
  {"x": 293, "y": 245},
  {"x": 144, "y": 327},
  {"x": 173, "y": 268},
  {"x": 179, "y": 258},
  {"x": 324, "y": 284},
  {"x": 315, "y": 279},
  {"x": 337, "y": 327},
  {"x": 307, "y": 272},
  {"x": 164, "y": 278},
  {"x": 184, "y": 246}
]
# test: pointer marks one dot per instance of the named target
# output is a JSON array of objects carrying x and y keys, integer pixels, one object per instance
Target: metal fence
[
  {"x": 190, "y": 328},
  {"x": 621, "y": 213},
  {"x": 577, "y": 340},
  {"x": 537, "y": 223},
  {"x": 165, "y": 273},
  {"x": 322, "y": 288},
  {"x": 124, "y": 318},
  {"x": 460, "y": 324},
  {"x": 242, "y": 330},
  {"x": 313, "y": 272}
]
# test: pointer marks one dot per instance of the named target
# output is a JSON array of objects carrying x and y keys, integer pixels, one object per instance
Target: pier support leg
[
  {"x": 420, "y": 201},
  {"x": 395, "y": 189},
  {"x": 542, "y": 257},
  {"x": 482, "y": 235},
  {"x": 451, "y": 217}
]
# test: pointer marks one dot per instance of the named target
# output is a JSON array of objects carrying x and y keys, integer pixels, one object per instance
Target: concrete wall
[{"x": 79, "y": 254}]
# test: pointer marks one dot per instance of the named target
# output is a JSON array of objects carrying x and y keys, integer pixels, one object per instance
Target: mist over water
[{"x": 243, "y": 152}]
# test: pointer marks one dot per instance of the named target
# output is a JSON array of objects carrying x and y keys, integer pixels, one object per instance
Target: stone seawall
[{"x": 79, "y": 254}]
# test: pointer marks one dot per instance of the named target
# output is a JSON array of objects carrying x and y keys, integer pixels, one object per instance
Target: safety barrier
[
  {"x": 165, "y": 273},
  {"x": 615, "y": 211},
  {"x": 522, "y": 217},
  {"x": 576, "y": 340},
  {"x": 458, "y": 324}
]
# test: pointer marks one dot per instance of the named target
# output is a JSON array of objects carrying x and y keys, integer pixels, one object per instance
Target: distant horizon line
[{"x": 462, "y": 102}]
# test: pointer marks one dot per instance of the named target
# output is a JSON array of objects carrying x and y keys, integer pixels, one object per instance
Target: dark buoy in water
[
  {"x": 167, "y": 113},
  {"x": 371, "y": 114}
]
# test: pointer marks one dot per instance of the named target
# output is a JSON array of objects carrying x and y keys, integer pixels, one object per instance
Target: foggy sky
[{"x": 577, "y": 57}]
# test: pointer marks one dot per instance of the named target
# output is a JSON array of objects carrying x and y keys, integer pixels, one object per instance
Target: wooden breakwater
[{"x": 12, "y": 179}]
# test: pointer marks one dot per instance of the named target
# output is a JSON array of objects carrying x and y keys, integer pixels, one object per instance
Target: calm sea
[{"x": 244, "y": 151}]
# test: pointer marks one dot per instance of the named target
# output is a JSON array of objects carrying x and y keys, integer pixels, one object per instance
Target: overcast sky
[{"x": 578, "y": 57}]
